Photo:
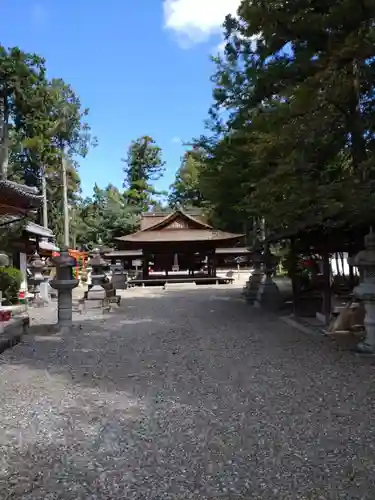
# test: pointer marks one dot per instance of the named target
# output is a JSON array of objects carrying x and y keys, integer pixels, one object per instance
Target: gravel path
[{"x": 185, "y": 394}]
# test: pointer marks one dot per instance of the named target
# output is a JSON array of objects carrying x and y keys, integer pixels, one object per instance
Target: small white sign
[{"x": 136, "y": 263}]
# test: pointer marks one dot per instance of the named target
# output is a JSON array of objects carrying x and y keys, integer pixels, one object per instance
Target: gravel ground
[{"x": 185, "y": 394}]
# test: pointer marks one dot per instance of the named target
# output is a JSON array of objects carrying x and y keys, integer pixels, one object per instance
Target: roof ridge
[{"x": 174, "y": 214}]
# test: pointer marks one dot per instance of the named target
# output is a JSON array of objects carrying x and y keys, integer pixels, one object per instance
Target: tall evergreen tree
[
  {"x": 185, "y": 191},
  {"x": 143, "y": 166},
  {"x": 296, "y": 85}
]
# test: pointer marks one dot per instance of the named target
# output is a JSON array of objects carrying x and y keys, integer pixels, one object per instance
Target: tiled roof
[
  {"x": 152, "y": 221},
  {"x": 177, "y": 226},
  {"x": 8, "y": 219},
  {"x": 18, "y": 196},
  {"x": 33, "y": 228}
]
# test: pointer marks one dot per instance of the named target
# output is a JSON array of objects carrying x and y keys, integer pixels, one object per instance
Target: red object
[
  {"x": 307, "y": 263},
  {"x": 5, "y": 315},
  {"x": 22, "y": 297}
]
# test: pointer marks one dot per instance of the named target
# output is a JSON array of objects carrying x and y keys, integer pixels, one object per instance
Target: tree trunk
[
  {"x": 4, "y": 137},
  {"x": 65, "y": 200}
]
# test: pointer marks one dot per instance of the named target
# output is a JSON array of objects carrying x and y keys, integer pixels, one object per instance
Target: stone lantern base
[
  {"x": 268, "y": 295},
  {"x": 96, "y": 299},
  {"x": 252, "y": 286}
]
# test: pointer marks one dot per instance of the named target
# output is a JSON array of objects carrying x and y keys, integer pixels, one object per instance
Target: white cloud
[
  {"x": 195, "y": 21},
  {"x": 176, "y": 140}
]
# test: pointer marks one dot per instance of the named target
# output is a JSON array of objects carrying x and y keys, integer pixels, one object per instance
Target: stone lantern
[
  {"x": 64, "y": 282},
  {"x": 96, "y": 296},
  {"x": 252, "y": 285},
  {"x": 98, "y": 276},
  {"x": 365, "y": 291},
  {"x": 37, "y": 267},
  {"x": 4, "y": 260},
  {"x": 268, "y": 293}
]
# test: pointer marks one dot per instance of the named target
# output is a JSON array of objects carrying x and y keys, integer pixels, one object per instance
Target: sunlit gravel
[{"x": 185, "y": 394}]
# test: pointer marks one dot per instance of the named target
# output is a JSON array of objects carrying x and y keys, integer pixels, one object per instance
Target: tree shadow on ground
[
  {"x": 198, "y": 393},
  {"x": 145, "y": 344}
]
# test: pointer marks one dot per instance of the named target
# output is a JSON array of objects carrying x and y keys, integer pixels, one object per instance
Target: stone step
[{"x": 178, "y": 285}]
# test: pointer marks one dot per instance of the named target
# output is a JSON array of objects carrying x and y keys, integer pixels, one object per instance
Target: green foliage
[
  {"x": 10, "y": 282},
  {"x": 104, "y": 217},
  {"x": 55, "y": 200},
  {"x": 40, "y": 120},
  {"x": 143, "y": 166},
  {"x": 292, "y": 125},
  {"x": 185, "y": 190},
  {"x": 21, "y": 77}
]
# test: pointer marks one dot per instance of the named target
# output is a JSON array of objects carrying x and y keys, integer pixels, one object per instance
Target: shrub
[{"x": 10, "y": 282}]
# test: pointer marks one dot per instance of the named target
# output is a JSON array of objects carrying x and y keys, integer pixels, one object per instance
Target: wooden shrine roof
[
  {"x": 236, "y": 251},
  {"x": 150, "y": 219},
  {"x": 18, "y": 198},
  {"x": 178, "y": 226}
]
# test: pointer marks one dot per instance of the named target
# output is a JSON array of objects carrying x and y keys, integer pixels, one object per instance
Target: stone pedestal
[
  {"x": 252, "y": 285},
  {"x": 97, "y": 296},
  {"x": 64, "y": 283},
  {"x": 268, "y": 295},
  {"x": 365, "y": 291}
]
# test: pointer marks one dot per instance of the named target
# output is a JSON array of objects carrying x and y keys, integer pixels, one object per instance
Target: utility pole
[
  {"x": 65, "y": 199},
  {"x": 44, "y": 192}
]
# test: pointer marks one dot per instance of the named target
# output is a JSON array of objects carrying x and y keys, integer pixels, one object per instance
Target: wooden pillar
[
  {"x": 145, "y": 267},
  {"x": 166, "y": 264},
  {"x": 213, "y": 263}
]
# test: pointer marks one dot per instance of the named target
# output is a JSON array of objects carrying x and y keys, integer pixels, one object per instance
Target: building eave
[
  {"x": 36, "y": 229},
  {"x": 18, "y": 197},
  {"x": 178, "y": 236}
]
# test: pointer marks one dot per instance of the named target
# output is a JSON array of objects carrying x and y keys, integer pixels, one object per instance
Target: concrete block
[{"x": 97, "y": 292}]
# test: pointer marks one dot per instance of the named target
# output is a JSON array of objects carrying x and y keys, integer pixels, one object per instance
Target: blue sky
[{"x": 141, "y": 66}]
